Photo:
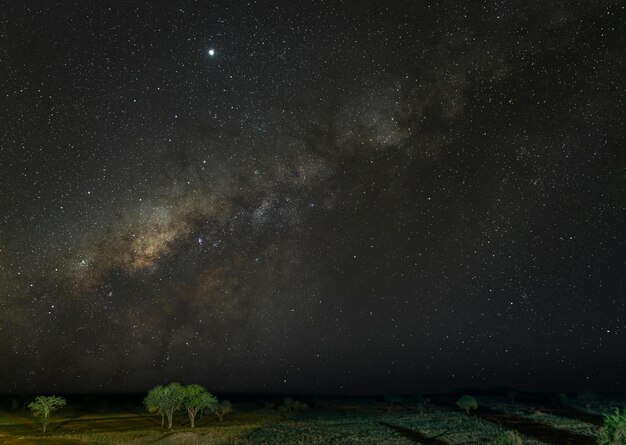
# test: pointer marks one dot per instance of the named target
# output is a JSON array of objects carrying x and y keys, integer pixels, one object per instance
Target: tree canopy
[
  {"x": 196, "y": 400},
  {"x": 44, "y": 406},
  {"x": 165, "y": 400}
]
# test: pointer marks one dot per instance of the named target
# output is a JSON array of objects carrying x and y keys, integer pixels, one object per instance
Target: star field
[{"x": 318, "y": 198}]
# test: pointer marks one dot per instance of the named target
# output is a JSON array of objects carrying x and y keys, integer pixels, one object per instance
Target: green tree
[
  {"x": 165, "y": 400},
  {"x": 223, "y": 408},
  {"x": 466, "y": 403},
  {"x": 154, "y": 402},
  {"x": 44, "y": 406},
  {"x": 196, "y": 399}
]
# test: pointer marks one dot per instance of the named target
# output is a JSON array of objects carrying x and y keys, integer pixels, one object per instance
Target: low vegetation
[
  {"x": 327, "y": 429},
  {"x": 392, "y": 401},
  {"x": 223, "y": 408},
  {"x": 195, "y": 416},
  {"x": 451, "y": 427},
  {"x": 614, "y": 430},
  {"x": 290, "y": 406},
  {"x": 508, "y": 438}
]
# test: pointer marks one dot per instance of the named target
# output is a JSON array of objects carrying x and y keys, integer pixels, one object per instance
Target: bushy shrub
[
  {"x": 511, "y": 395},
  {"x": 587, "y": 396},
  {"x": 466, "y": 403},
  {"x": 508, "y": 438},
  {"x": 223, "y": 408},
  {"x": 289, "y": 406},
  {"x": 392, "y": 400},
  {"x": 614, "y": 430},
  {"x": 420, "y": 403}
]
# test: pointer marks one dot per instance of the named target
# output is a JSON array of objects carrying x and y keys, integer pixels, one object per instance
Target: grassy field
[
  {"x": 333, "y": 422},
  {"x": 540, "y": 414},
  {"x": 242, "y": 427}
]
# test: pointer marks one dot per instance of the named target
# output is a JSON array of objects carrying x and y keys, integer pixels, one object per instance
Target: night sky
[{"x": 314, "y": 197}]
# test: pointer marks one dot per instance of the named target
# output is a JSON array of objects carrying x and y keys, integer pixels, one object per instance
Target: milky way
[{"x": 396, "y": 198}]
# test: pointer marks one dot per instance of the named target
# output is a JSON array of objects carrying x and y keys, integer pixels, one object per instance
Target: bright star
[{"x": 211, "y": 52}]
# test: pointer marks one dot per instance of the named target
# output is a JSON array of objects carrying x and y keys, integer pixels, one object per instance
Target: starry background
[{"x": 339, "y": 198}]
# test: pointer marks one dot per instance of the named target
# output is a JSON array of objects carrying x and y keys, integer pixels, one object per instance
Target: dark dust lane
[{"x": 415, "y": 436}]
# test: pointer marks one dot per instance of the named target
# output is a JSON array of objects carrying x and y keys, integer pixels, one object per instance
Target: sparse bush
[
  {"x": 508, "y": 438},
  {"x": 587, "y": 396},
  {"x": 416, "y": 399},
  {"x": 223, "y": 408},
  {"x": 300, "y": 406},
  {"x": 289, "y": 406},
  {"x": 421, "y": 404},
  {"x": 392, "y": 400},
  {"x": 466, "y": 403},
  {"x": 614, "y": 430},
  {"x": 44, "y": 406},
  {"x": 511, "y": 395}
]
